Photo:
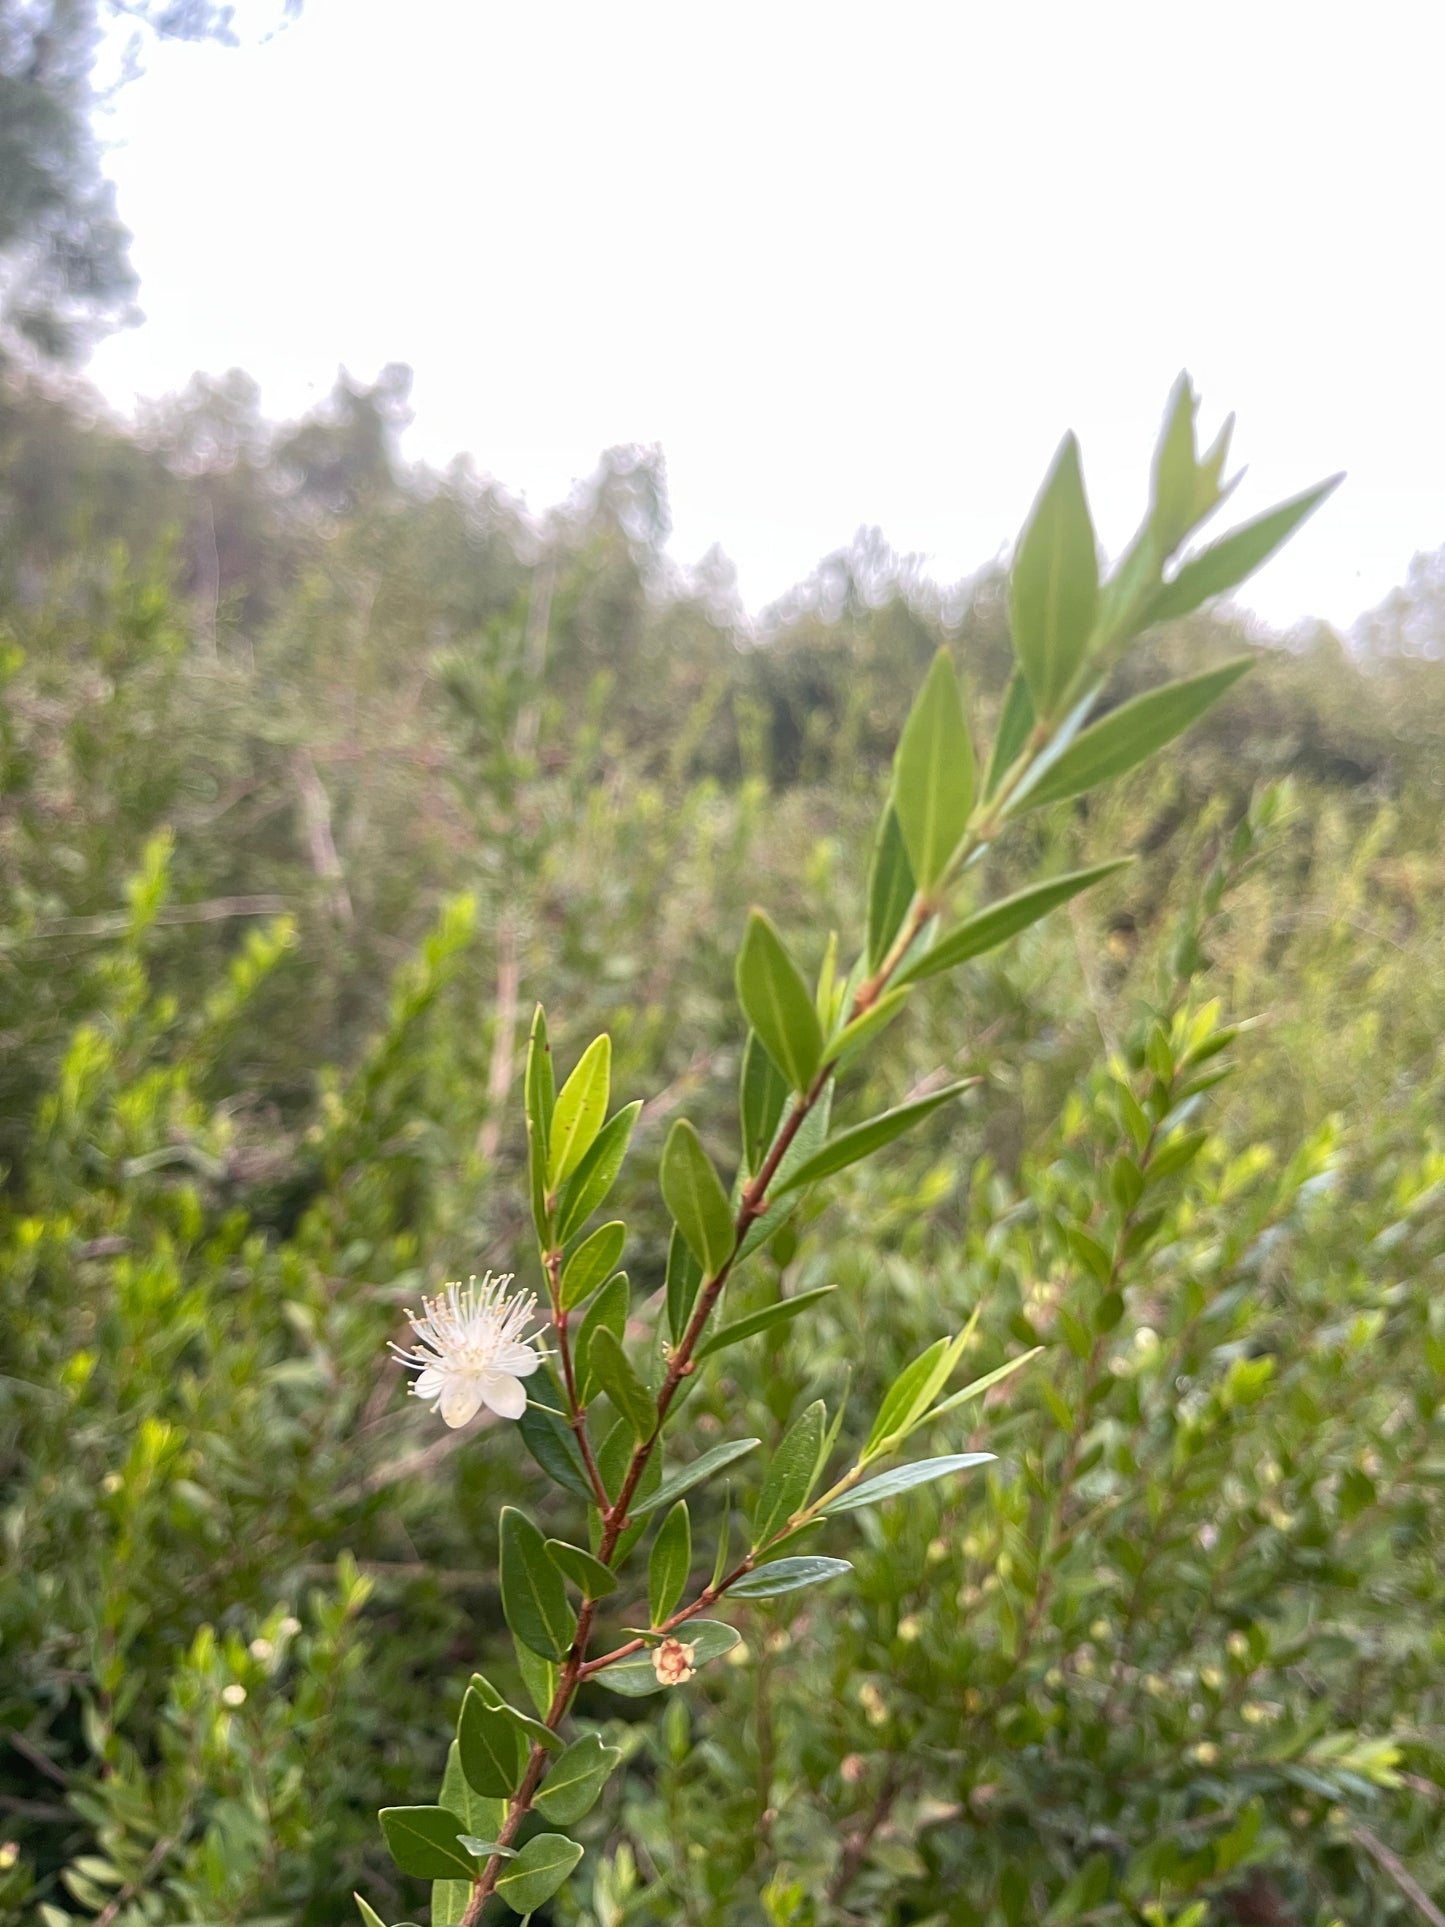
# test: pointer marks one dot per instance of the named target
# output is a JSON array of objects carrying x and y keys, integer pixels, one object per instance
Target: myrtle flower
[
  {"x": 471, "y": 1351},
  {"x": 672, "y": 1662}
]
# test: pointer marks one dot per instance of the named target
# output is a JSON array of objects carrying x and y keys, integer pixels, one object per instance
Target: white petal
[
  {"x": 462, "y": 1397},
  {"x": 429, "y": 1382},
  {"x": 517, "y": 1361},
  {"x": 504, "y": 1394}
]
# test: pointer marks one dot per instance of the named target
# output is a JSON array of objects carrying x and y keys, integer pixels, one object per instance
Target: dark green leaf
[
  {"x": 423, "y": 1842},
  {"x": 890, "y": 888},
  {"x": 889, "y": 1484},
  {"x": 591, "y": 1578},
  {"x": 789, "y": 1478},
  {"x": 533, "y": 1596},
  {"x": 1054, "y": 584},
  {"x": 553, "y": 1446},
  {"x": 986, "y": 929},
  {"x": 607, "y": 1312},
  {"x": 684, "y": 1477},
  {"x": 538, "y": 1097},
  {"x": 587, "y": 1188},
  {"x": 933, "y": 776},
  {"x": 575, "y": 1780},
  {"x": 580, "y": 1111},
  {"x": 787, "y": 1575},
  {"x": 694, "y": 1195},
  {"x": 849, "y": 1146},
  {"x": 776, "y": 1003},
  {"x": 669, "y": 1563},
  {"x": 538, "y": 1871},
  {"x": 1133, "y": 731},
  {"x": 594, "y": 1260},
  {"x": 613, "y": 1370},
  {"x": 490, "y": 1747},
  {"x": 1234, "y": 557},
  {"x": 762, "y": 1095},
  {"x": 539, "y": 1676},
  {"x": 684, "y": 1275},
  {"x": 756, "y": 1321}
]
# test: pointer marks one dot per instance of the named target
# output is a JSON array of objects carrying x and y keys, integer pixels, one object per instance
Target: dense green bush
[{"x": 1173, "y": 1658}]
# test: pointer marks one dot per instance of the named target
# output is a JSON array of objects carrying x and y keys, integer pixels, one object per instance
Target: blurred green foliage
[{"x": 317, "y": 772}]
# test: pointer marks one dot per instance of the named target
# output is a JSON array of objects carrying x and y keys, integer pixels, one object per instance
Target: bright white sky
[{"x": 847, "y": 263}]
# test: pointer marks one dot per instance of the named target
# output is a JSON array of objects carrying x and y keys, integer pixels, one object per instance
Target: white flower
[
  {"x": 471, "y": 1351},
  {"x": 673, "y": 1662}
]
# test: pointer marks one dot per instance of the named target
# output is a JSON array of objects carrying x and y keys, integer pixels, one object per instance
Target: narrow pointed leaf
[
  {"x": 538, "y": 1099},
  {"x": 684, "y": 1477},
  {"x": 490, "y": 1747},
  {"x": 592, "y": 1263},
  {"x": 789, "y": 1478},
  {"x": 669, "y": 1563},
  {"x": 849, "y": 1146},
  {"x": 580, "y": 1111},
  {"x": 986, "y": 929},
  {"x": 1234, "y": 557},
  {"x": 1054, "y": 584},
  {"x": 889, "y": 1484},
  {"x": 369, "y": 1916},
  {"x": 607, "y": 1312},
  {"x": 1134, "y": 731},
  {"x": 591, "y": 1578},
  {"x": 574, "y": 1781},
  {"x": 423, "y": 1842},
  {"x": 933, "y": 774},
  {"x": 762, "y": 1095},
  {"x": 684, "y": 1275},
  {"x": 851, "y": 1039},
  {"x": 533, "y": 1596},
  {"x": 780, "y": 1313},
  {"x": 587, "y": 1188},
  {"x": 555, "y": 1449},
  {"x": 538, "y": 1871},
  {"x": 787, "y": 1575},
  {"x": 890, "y": 887},
  {"x": 776, "y": 1002},
  {"x": 694, "y": 1195},
  {"x": 1015, "y": 720}
]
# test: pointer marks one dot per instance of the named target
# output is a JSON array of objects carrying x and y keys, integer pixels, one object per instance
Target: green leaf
[
  {"x": 538, "y": 1871},
  {"x": 986, "y": 929},
  {"x": 889, "y": 1484},
  {"x": 591, "y": 1578},
  {"x": 851, "y": 1039},
  {"x": 762, "y": 1094},
  {"x": 587, "y": 1188},
  {"x": 538, "y": 1099},
  {"x": 849, "y": 1146},
  {"x": 891, "y": 888},
  {"x": 789, "y": 1478},
  {"x": 776, "y": 1003},
  {"x": 933, "y": 776},
  {"x": 533, "y": 1596},
  {"x": 694, "y": 1195},
  {"x": 539, "y": 1676},
  {"x": 684, "y": 1275},
  {"x": 1133, "y": 731},
  {"x": 574, "y": 1782},
  {"x": 369, "y": 1916},
  {"x": 555, "y": 1449},
  {"x": 986, "y": 1383},
  {"x": 594, "y": 1260},
  {"x": 756, "y": 1321},
  {"x": 481, "y": 1816},
  {"x": 709, "y": 1639},
  {"x": 580, "y": 1111},
  {"x": 911, "y": 1392},
  {"x": 423, "y": 1842},
  {"x": 484, "y": 1849},
  {"x": 1176, "y": 491},
  {"x": 1015, "y": 721},
  {"x": 669, "y": 1563},
  {"x": 787, "y": 1575},
  {"x": 685, "y": 1477},
  {"x": 607, "y": 1312},
  {"x": 1054, "y": 584},
  {"x": 490, "y": 1748},
  {"x": 1224, "y": 564},
  {"x": 613, "y": 1370}
]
